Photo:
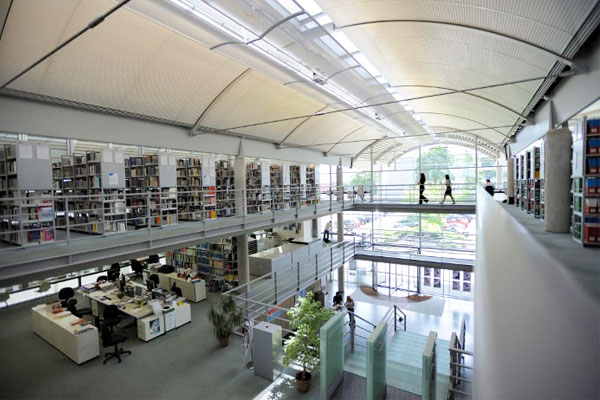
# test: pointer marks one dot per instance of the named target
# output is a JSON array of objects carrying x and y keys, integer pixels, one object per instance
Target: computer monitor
[
  {"x": 139, "y": 291},
  {"x": 114, "y": 272}
]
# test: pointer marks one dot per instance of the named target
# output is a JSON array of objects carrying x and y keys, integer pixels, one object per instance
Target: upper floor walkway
[{"x": 98, "y": 229}]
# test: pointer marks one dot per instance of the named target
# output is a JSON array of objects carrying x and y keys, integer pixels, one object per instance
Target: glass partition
[
  {"x": 332, "y": 354},
  {"x": 376, "y": 363}
]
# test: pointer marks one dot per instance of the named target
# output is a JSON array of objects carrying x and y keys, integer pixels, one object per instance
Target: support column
[
  {"x": 557, "y": 183},
  {"x": 315, "y": 228},
  {"x": 340, "y": 224},
  {"x": 510, "y": 180},
  {"x": 242, "y": 259}
]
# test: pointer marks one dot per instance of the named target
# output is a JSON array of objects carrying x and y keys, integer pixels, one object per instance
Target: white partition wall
[{"x": 537, "y": 331}]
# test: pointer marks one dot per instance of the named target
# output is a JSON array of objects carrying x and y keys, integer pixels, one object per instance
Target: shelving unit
[
  {"x": 258, "y": 191},
  {"x": 312, "y": 184},
  {"x": 280, "y": 186},
  {"x": 225, "y": 184},
  {"x": 214, "y": 260},
  {"x": 152, "y": 185},
  {"x": 586, "y": 183},
  {"x": 95, "y": 193},
  {"x": 28, "y": 218}
]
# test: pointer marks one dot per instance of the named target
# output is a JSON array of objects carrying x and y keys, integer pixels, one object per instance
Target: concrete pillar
[
  {"x": 242, "y": 258},
  {"x": 340, "y": 224},
  {"x": 315, "y": 228},
  {"x": 510, "y": 180},
  {"x": 558, "y": 180}
]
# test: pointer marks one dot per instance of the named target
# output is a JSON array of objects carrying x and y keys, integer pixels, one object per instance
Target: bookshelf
[
  {"x": 213, "y": 260},
  {"x": 28, "y": 218},
  {"x": 258, "y": 191},
  {"x": 312, "y": 184},
  {"x": 94, "y": 186},
  {"x": 152, "y": 189},
  {"x": 586, "y": 182},
  {"x": 297, "y": 188},
  {"x": 196, "y": 188},
  {"x": 225, "y": 184},
  {"x": 280, "y": 185}
]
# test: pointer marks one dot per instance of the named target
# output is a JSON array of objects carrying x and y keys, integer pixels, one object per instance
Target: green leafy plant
[
  {"x": 306, "y": 318},
  {"x": 224, "y": 318}
]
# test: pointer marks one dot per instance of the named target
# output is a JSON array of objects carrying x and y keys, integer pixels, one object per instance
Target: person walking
[
  {"x": 489, "y": 187},
  {"x": 326, "y": 232},
  {"x": 448, "y": 191},
  {"x": 422, "y": 181},
  {"x": 350, "y": 307}
]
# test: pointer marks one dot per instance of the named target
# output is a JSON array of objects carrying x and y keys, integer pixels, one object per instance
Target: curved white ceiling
[{"x": 151, "y": 59}]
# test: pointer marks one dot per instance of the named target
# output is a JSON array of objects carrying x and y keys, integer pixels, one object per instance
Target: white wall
[{"x": 537, "y": 332}]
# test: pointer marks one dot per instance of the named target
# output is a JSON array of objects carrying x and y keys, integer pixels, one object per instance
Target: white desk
[
  {"x": 149, "y": 326},
  {"x": 73, "y": 341},
  {"x": 194, "y": 290}
]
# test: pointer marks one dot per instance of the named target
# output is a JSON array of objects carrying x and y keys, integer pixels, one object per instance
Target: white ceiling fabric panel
[
  {"x": 546, "y": 23},
  {"x": 324, "y": 129},
  {"x": 255, "y": 99},
  {"x": 152, "y": 72}
]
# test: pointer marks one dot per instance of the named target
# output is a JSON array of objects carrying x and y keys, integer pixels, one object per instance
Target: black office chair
[
  {"x": 137, "y": 267},
  {"x": 111, "y": 316},
  {"x": 154, "y": 278},
  {"x": 102, "y": 278},
  {"x": 111, "y": 338},
  {"x": 177, "y": 290},
  {"x": 153, "y": 259},
  {"x": 64, "y": 295},
  {"x": 114, "y": 272}
]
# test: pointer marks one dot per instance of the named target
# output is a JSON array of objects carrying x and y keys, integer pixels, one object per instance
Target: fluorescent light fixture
[
  {"x": 381, "y": 79},
  {"x": 345, "y": 42},
  {"x": 310, "y": 6},
  {"x": 289, "y": 6},
  {"x": 323, "y": 19},
  {"x": 364, "y": 61}
]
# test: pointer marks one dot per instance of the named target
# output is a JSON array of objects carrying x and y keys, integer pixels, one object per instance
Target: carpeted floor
[{"x": 183, "y": 364}]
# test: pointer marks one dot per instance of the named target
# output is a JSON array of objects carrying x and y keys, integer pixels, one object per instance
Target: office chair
[
  {"x": 102, "y": 278},
  {"x": 64, "y": 295},
  {"x": 114, "y": 272},
  {"x": 153, "y": 259},
  {"x": 154, "y": 278},
  {"x": 110, "y": 338},
  {"x": 111, "y": 316},
  {"x": 177, "y": 290},
  {"x": 137, "y": 267}
]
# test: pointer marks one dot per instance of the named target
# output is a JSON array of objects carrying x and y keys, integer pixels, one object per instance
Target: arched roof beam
[
  {"x": 461, "y": 117},
  {"x": 386, "y": 151},
  {"x": 466, "y": 133},
  {"x": 367, "y": 147},
  {"x": 450, "y": 90},
  {"x": 227, "y": 87},
  {"x": 460, "y": 142},
  {"x": 558, "y": 57},
  {"x": 262, "y": 35},
  {"x": 344, "y": 138},
  {"x": 298, "y": 126}
]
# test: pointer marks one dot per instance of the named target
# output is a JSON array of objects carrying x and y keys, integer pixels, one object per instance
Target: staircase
[{"x": 404, "y": 358}]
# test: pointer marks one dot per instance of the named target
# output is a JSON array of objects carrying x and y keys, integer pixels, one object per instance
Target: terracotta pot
[
  {"x": 224, "y": 341},
  {"x": 303, "y": 381}
]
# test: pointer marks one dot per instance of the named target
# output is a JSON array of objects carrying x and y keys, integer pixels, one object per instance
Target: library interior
[{"x": 300, "y": 199}]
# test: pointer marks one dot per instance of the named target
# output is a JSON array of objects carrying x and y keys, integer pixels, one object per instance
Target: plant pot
[
  {"x": 224, "y": 341},
  {"x": 303, "y": 380}
]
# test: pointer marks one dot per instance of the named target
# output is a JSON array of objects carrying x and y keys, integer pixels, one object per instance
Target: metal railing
[
  {"x": 36, "y": 217},
  {"x": 457, "y": 364}
]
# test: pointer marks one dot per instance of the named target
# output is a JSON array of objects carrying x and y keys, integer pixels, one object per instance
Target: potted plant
[
  {"x": 306, "y": 318},
  {"x": 224, "y": 319}
]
